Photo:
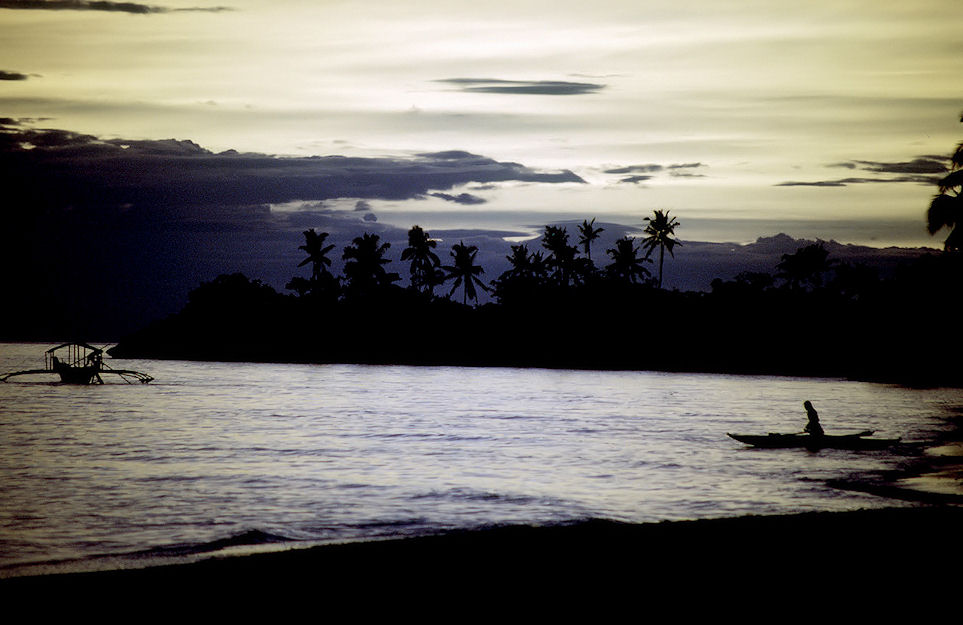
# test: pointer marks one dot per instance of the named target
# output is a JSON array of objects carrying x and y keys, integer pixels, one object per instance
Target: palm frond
[{"x": 952, "y": 180}]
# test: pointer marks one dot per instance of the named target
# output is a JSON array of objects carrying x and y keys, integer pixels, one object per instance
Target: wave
[
  {"x": 466, "y": 494},
  {"x": 141, "y": 558},
  {"x": 249, "y": 538}
]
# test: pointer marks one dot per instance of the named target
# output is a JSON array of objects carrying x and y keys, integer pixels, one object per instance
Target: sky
[
  {"x": 145, "y": 147},
  {"x": 739, "y": 116}
]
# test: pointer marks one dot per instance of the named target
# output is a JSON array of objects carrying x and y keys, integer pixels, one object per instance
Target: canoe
[{"x": 826, "y": 441}]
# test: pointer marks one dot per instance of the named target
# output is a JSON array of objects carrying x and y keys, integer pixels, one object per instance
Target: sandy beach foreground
[{"x": 863, "y": 556}]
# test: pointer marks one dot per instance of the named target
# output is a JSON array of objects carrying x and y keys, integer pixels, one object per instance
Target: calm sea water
[{"x": 256, "y": 452}]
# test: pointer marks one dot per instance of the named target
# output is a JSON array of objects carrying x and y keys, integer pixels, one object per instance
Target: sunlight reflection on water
[{"x": 211, "y": 450}]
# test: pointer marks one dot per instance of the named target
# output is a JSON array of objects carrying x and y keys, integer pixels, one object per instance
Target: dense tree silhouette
[
  {"x": 425, "y": 266},
  {"x": 854, "y": 282},
  {"x": 946, "y": 209},
  {"x": 525, "y": 279},
  {"x": 806, "y": 268},
  {"x": 827, "y": 324},
  {"x": 539, "y": 266},
  {"x": 364, "y": 267},
  {"x": 660, "y": 233},
  {"x": 745, "y": 285},
  {"x": 626, "y": 265},
  {"x": 465, "y": 272}
]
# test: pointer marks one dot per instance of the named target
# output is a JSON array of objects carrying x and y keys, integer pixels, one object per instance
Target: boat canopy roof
[{"x": 75, "y": 345}]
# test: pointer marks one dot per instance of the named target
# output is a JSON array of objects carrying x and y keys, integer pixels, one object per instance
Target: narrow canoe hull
[{"x": 807, "y": 441}]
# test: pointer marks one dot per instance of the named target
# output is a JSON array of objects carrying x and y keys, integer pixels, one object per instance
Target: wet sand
[{"x": 861, "y": 558}]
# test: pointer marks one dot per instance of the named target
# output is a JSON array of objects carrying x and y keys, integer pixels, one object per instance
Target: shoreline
[
  {"x": 871, "y": 544},
  {"x": 927, "y": 380},
  {"x": 878, "y": 561},
  {"x": 919, "y": 376}
]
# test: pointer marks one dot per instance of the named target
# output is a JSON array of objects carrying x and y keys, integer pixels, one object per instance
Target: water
[{"x": 211, "y": 451}]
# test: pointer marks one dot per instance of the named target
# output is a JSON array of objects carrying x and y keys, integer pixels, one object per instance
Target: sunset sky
[{"x": 822, "y": 118}]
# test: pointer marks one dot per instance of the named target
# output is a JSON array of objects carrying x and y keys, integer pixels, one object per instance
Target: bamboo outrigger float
[{"x": 79, "y": 363}]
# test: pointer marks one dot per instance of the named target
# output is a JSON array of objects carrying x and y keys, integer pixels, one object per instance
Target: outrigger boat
[
  {"x": 856, "y": 441},
  {"x": 79, "y": 363}
]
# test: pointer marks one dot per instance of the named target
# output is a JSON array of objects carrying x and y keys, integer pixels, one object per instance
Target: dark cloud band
[
  {"x": 522, "y": 87},
  {"x": 54, "y": 169},
  {"x": 99, "y": 5},
  {"x": 921, "y": 170},
  {"x": 12, "y": 75},
  {"x": 842, "y": 182},
  {"x": 461, "y": 198}
]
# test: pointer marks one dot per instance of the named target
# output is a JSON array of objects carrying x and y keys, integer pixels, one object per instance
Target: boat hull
[{"x": 808, "y": 441}]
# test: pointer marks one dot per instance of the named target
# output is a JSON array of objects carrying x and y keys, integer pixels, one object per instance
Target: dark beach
[{"x": 860, "y": 556}]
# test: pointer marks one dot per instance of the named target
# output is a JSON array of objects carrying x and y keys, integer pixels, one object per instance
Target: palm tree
[
  {"x": 322, "y": 283},
  {"x": 555, "y": 240},
  {"x": 425, "y": 264},
  {"x": 946, "y": 209},
  {"x": 465, "y": 272},
  {"x": 626, "y": 264},
  {"x": 317, "y": 253},
  {"x": 364, "y": 266},
  {"x": 588, "y": 233},
  {"x": 521, "y": 264},
  {"x": 539, "y": 266},
  {"x": 660, "y": 233}
]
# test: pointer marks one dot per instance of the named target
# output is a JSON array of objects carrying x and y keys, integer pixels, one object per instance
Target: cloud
[
  {"x": 919, "y": 165},
  {"x": 842, "y": 182},
  {"x": 100, "y": 5},
  {"x": 523, "y": 87},
  {"x": 4, "y": 75},
  {"x": 635, "y": 179},
  {"x": 645, "y": 172},
  {"x": 634, "y": 169},
  {"x": 920, "y": 170},
  {"x": 461, "y": 198},
  {"x": 821, "y": 183},
  {"x": 57, "y": 169}
]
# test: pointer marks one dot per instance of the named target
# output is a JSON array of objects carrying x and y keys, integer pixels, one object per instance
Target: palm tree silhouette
[
  {"x": 521, "y": 264},
  {"x": 555, "y": 240},
  {"x": 425, "y": 264},
  {"x": 465, "y": 272},
  {"x": 588, "y": 233},
  {"x": 660, "y": 233},
  {"x": 626, "y": 263},
  {"x": 946, "y": 209},
  {"x": 317, "y": 253},
  {"x": 364, "y": 266}
]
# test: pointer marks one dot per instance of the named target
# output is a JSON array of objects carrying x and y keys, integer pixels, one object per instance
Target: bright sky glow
[{"x": 758, "y": 93}]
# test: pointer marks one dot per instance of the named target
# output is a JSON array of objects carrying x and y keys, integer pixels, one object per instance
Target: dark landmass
[
  {"x": 866, "y": 561},
  {"x": 892, "y": 330}
]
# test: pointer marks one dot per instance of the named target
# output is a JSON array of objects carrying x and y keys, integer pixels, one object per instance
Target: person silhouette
[{"x": 812, "y": 427}]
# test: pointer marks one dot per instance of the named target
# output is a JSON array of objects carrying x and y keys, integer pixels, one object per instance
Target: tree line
[{"x": 559, "y": 264}]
